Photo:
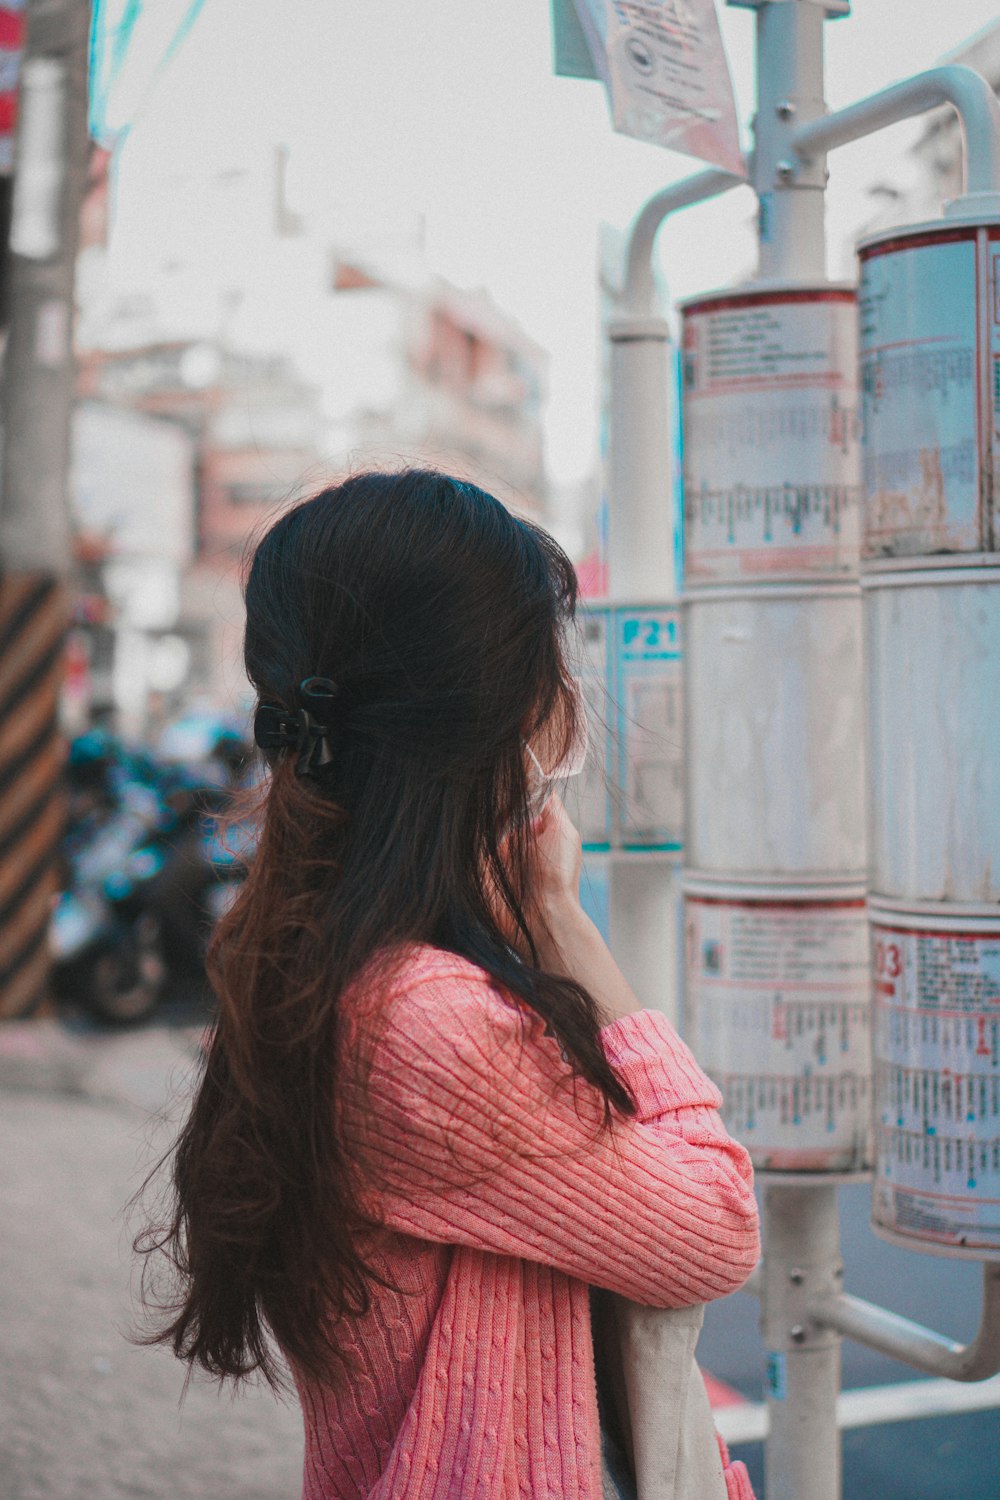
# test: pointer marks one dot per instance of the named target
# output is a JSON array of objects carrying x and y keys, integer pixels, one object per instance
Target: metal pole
[
  {"x": 642, "y": 921},
  {"x": 801, "y": 1250},
  {"x": 801, "y": 1261},
  {"x": 804, "y": 1311},
  {"x": 789, "y": 92},
  {"x": 900, "y": 1338},
  {"x": 642, "y": 892},
  {"x": 37, "y": 398},
  {"x": 641, "y": 521},
  {"x": 50, "y": 172},
  {"x": 801, "y": 1236}
]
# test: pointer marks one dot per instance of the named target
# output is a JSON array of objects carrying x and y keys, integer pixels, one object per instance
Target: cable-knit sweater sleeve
[{"x": 476, "y": 1132}]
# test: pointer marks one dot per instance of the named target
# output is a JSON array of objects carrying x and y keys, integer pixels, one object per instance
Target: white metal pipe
[
  {"x": 639, "y": 291},
  {"x": 902, "y": 1339},
  {"x": 976, "y": 104},
  {"x": 872, "y": 1406},
  {"x": 642, "y": 897},
  {"x": 640, "y": 464},
  {"x": 801, "y": 1259},
  {"x": 642, "y": 920}
]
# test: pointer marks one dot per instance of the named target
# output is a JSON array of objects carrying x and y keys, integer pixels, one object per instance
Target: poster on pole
[
  {"x": 664, "y": 68},
  {"x": 588, "y": 798},
  {"x": 937, "y": 1082},
  {"x": 771, "y": 453},
  {"x": 924, "y": 440},
  {"x": 630, "y": 796},
  {"x": 778, "y": 1013},
  {"x": 650, "y": 728}
]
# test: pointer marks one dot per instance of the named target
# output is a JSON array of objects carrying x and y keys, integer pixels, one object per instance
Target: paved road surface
[{"x": 83, "y": 1414}]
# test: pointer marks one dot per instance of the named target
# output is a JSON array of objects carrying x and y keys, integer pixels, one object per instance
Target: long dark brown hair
[{"x": 443, "y": 620}]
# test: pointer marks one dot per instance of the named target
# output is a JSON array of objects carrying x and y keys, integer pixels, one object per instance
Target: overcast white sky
[{"x": 449, "y": 109}]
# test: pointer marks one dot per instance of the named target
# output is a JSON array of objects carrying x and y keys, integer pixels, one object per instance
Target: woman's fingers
[
  {"x": 555, "y": 858},
  {"x": 558, "y": 855}
]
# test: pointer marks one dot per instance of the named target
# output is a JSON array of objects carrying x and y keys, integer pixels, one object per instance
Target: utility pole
[{"x": 50, "y": 167}]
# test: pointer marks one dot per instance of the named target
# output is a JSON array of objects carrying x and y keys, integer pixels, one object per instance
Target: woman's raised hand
[
  {"x": 566, "y": 940},
  {"x": 557, "y": 860},
  {"x": 552, "y": 900}
]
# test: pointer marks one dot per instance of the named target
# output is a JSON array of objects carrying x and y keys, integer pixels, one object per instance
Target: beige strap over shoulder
[{"x": 662, "y": 1401}]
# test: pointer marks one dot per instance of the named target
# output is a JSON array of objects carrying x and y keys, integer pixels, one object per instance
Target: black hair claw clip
[{"x": 306, "y": 729}]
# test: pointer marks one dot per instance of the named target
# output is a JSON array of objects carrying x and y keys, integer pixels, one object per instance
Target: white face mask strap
[
  {"x": 578, "y": 751},
  {"x": 537, "y": 763}
]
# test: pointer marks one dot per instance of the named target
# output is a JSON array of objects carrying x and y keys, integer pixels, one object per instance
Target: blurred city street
[{"x": 84, "y": 1414}]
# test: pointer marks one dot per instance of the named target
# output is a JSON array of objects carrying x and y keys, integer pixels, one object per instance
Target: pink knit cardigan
[{"x": 500, "y": 1205}]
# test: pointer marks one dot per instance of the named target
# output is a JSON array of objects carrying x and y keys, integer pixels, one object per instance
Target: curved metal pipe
[
  {"x": 954, "y": 84},
  {"x": 638, "y": 293},
  {"x": 898, "y": 1337}
]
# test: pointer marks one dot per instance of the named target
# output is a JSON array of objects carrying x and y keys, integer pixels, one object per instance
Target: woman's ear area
[
  {"x": 534, "y": 723},
  {"x": 551, "y": 736}
]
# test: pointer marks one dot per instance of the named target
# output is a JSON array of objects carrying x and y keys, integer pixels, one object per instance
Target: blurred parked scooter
[
  {"x": 106, "y": 942},
  {"x": 150, "y": 863},
  {"x": 203, "y": 762}
]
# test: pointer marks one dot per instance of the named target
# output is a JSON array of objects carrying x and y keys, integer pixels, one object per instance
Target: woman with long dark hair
[{"x": 432, "y": 1115}]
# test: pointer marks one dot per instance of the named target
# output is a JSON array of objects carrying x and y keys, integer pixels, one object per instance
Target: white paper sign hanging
[{"x": 668, "y": 82}]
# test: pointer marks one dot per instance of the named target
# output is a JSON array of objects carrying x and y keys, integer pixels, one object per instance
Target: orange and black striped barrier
[{"x": 33, "y": 622}]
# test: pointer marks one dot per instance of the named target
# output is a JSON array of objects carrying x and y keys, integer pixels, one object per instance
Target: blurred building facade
[
  {"x": 466, "y": 393},
  {"x": 393, "y": 369},
  {"x": 132, "y": 484}
]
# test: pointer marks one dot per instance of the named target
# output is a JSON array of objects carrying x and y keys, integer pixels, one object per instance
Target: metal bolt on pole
[{"x": 790, "y": 92}]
